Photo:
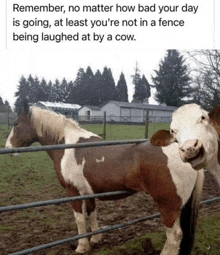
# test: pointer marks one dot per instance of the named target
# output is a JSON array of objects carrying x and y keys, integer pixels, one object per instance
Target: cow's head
[{"x": 195, "y": 130}]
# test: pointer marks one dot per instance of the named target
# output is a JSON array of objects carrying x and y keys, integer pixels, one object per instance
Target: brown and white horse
[
  {"x": 174, "y": 186},
  {"x": 197, "y": 133}
]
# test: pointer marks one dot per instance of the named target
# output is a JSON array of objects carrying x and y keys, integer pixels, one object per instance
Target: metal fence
[
  {"x": 141, "y": 120},
  {"x": 70, "y": 199}
]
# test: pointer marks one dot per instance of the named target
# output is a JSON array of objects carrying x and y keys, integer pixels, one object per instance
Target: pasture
[{"x": 31, "y": 177}]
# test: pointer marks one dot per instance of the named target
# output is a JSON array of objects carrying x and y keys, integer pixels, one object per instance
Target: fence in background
[
  {"x": 9, "y": 119},
  {"x": 64, "y": 200}
]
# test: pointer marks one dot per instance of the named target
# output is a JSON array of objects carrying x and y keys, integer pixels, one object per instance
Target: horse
[
  {"x": 159, "y": 171},
  {"x": 197, "y": 133}
]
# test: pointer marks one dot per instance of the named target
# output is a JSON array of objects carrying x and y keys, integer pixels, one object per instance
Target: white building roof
[{"x": 60, "y": 105}]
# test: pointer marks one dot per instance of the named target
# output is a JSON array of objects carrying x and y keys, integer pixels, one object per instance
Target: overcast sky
[{"x": 51, "y": 65}]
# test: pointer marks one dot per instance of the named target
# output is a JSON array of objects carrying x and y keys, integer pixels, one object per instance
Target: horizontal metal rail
[
  {"x": 69, "y": 146},
  {"x": 77, "y": 237},
  {"x": 61, "y": 200},
  {"x": 77, "y": 198}
]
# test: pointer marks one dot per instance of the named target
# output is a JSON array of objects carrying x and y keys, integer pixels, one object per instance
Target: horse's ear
[
  {"x": 214, "y": 116},
  {"x": 162, "y": 138},
  {"x": 25, "y": 107}
]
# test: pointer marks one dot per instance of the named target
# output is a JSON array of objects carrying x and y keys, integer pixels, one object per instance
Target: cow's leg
[
  {"x": 174, "y": 237},
  {"x": 92, "y": 213},
  {"x": 79, "y": 210}
]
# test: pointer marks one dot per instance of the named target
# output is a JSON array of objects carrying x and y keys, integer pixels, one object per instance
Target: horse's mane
[{"x": 49, "y": 122}]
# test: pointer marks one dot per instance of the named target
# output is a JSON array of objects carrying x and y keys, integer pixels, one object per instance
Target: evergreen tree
[
  {"x": 7, "y": 106},
  {"x": 88, "y": 87},
  {"x": 71, "y": 93},
  {"x": 51, "y": 96},
  {"x": 64, "y": 91},
  {"x": 141, "y": 87},
  {"x": 36, "y": 91},
  {"x": 23, "y": 93},
  {"x": 98, "y": 93},
  {"x": 43, "y": 92},
  {"x": 121, "y": 89},
  {"x": 1, "y": 102},
  {"x": 4, "y": 106},
  {"x": 108, "y": 85},
  {"x": 172, "y": 80},
  {"x": 142, "y": 91},
  {"x": 136, "y": 79},
  {"x": 76, "y": 92},
  {"x": 56, "y": 91}
]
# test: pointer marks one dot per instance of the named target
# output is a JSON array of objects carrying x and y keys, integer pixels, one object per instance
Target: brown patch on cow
[{"x": 162, "y": 138}]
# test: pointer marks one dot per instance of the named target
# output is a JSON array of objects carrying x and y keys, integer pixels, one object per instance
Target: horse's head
[
  {"x": 194, "y": 130},
  {"x": 22, "y": 133}
]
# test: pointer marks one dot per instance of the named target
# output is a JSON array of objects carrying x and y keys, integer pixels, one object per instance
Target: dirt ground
[{"x": 36, "y": 230}]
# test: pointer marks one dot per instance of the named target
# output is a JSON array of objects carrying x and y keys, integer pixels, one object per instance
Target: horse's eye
[
  {"x": 172, "y": 131},
  {"x": 203, "y": 118}
]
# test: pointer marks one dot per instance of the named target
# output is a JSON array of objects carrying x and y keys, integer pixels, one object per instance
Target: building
[
  {"x": 90, "y": 113},
  {"x": 128, "y": 112},
  {"x": 63, "y": 108}
]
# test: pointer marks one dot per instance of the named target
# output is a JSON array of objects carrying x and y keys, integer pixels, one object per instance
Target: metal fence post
[
  {"x": 146, "y": 124},
  {"x": 104, "y": 126}
]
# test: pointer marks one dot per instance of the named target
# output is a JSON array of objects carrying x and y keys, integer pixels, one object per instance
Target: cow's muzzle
[{"x": 192, "y": 151}]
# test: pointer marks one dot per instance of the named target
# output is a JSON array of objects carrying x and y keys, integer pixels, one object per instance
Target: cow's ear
[
  {"x": 162, "y": 138},
  {"x": 214, "y": 116}
]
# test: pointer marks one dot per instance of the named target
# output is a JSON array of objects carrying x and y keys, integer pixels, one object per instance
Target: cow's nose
[{"x": 190, "y": 148}]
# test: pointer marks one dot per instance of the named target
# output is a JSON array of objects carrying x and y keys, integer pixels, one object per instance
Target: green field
[
  {"x": 125, "y": 132},
  {"x": 25, "y": 179}
]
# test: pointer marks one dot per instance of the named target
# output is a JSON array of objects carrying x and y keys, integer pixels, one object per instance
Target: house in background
[
  {"x": 63, "y": 108},
  {"x": 128, "y": 112},
  {"x": 90, "y": 113}
]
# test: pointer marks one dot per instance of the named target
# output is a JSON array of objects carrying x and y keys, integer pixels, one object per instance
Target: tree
[
  {"x": 141, "y": 87},
  {"x": 142, "y": 92},
  {"x": 206, "y": 77},
  {"x": 23, "y": 93},
  {"x": 108, "y": 85},
  {"x": 136, "y": 78},
  {"x": 121, "y": 89},
  {"x": 4, "y": 106},
  {"x": 64, "y": 91},
  {"x": 172, "y": 80},
  {"x": 56, "y": 91},
  {"x": 97, "y": 94}
]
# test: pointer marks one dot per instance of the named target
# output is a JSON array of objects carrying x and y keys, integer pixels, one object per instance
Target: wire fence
[{"x": 71, "y": 199}]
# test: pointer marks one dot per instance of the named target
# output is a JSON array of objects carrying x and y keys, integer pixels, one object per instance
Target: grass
[
  {"x": 124, "y": 132},
  {"x": 25, "y": 179}
]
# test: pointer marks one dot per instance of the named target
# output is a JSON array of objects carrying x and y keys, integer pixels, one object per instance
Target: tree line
[
  {"x": 87, "y": 89},
  {"x": 175, "y": 83},
  {"x": 4, "y": 106}
]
